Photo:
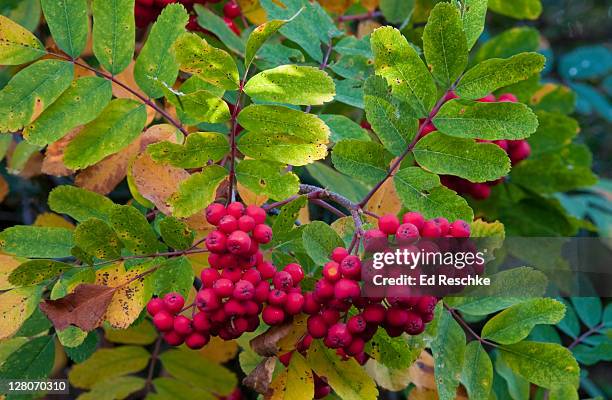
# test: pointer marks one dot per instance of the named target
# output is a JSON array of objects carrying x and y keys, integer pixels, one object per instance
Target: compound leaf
[
  {"x": 113, "y": 33},
  {"x": 68, "y": 22}
]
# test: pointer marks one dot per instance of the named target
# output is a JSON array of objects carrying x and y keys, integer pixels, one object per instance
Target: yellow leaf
[
  {"x": 53, "y": 220},
  {"x": 387, "y": 378},
  {"x": 304, "y": 215},
  {"x": 384, "y": 201},
  {"x": 480, "y": 228},
  {"x": 130, "y": 298},
  {"x": 294, "y": 383},
  {"x": 219, "y": 350},
  {"x": 366, "y": 27},
  {"x": 347, "y": 378},
  {"x": 16, "y": 306},
  {"x": 249, "y": 197},
  {"x": 336, "y": 6},
  {"x": 253, "y": 11},
  {"x": 296, "y": 333},
  {"x": 7, "y": 265}
]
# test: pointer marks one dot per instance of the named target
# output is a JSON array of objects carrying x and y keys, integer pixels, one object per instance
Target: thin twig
[
  {"x": 467, "y": 327},
  {"x": 152, "y": 362},
  {"x": 585, "y": 335}
]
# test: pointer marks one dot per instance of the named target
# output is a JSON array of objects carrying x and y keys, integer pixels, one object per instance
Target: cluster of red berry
[
  {"x": 517, "y": 150},
  {"x": 147, "y": 11}
]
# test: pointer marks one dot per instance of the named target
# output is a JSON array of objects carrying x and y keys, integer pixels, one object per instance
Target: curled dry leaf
[
  {"x": 267, "y": 344},
  {"x": 53, "y": 163},
  {"x": 84, "y": 308},
  {"x": 260, "y": 378}
]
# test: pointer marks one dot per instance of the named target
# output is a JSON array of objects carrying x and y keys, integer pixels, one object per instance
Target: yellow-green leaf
[
  {"x": 16, "y": 306},
  {"x": 17, "y": 44},
  {"x": 197, "y": 191}
]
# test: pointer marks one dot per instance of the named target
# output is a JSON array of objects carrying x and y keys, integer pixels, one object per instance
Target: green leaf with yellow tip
[
  {"x": 268, "y": 178},
  {"x": 36, "y": 271},
  {"x": 16, "y": 306},
  {"x": 17, "y": 44}
]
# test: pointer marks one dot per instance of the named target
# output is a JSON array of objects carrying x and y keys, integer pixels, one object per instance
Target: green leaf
[
  {"x": 589, "y": 309},
  {"x": 390, "y": 118},
  {"x": 172, "y": 389},
  {"x": 174, "y": 275},
  {"x": 496, "y": 73},
  {"x": 71, "y": 336},
  {"x": 337, "y": 182},
  {"x": 208, "y": 63},
  {"x": 9, "y": 346},
  {"x": 292, "y": 84},
  {"x": 36, "y": 324},
  {"x": 155, "y": 62},
  {"x": 518, "y": 387},
  {"x": 120, "y": 123},
  {"x": 365, "y": 161},
  {"x": 36, "y": 241},
  {"x": 113, "y": 33},
  {"x": 268, "y": 178},
  {"x": 68, "y": 22},
  {"x": 546, "y": 364},
  {"x": 477, "y": 372},
  {"x": 349, "y": 91},
  {"x": 199, "y": 148},
  {"x": 199, "y": 106},
  {"x": 396, "y": 11},
  {"x": 396, "y": 353},
  {"x": 108, "y": 363},
  {"x": 34, "y": 272},
  {"x": 197, "y": 191},
  {"x": 259, "y": 36},
  {"x": 282, "y": 148},
  {"x": 33, "y": 360},
  {"x": 176, "y": 233},
  {"x": 473, "y": 14},
  {"x": 448, "y": 348},
  {"x": 509, "y": 43},
  {"x": 422, "y": 191},
  {"x": 477, "y": 162},
  {"x": 96, "y": 238},
  {"x": 81, "y": 103},
  {"x": 114, "y": 388},
  {"x": 490, "y": 121},
  {"x": 342, "y": 127},
  {"x": 519, "y": 9},
  {"x": 198, "y": 371},
  {"x": 83, "y": 351},
  {"x": 79, "y": 204},
  {"x": 564, "y": 392},
  {"x": 319, "y": 241},
  {"x": 507, "y": 288},
  {"x": 514, "y": 324},
  {"x": 134, "y": 230},
  {"x": 213, "y": 23},
  {"x": 398, "y": 62},
  {"x": 18, "y": 45},
  {"x": 445, "y": 44},
  {"x": 22, "y": 153},
  {"x": 347, "y": 378},
  {"x": 35, "y": 87},
  {"x": 142, "y": 333}
]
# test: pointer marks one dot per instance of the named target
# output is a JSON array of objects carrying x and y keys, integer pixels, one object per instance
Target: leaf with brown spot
[
  {"x": 259, "y": 379},
  {"x": 7, "y": 265},
  {"x": 16, "y": 306},
  {"x": 267, "y": 344},
  {"x": 84, "y": 308},
  {"x": 53, "y": 163},
  {"x": 156, "y": 182},
  {"x": 295, "y": 383},
  {"x": 295, "y": 334}
]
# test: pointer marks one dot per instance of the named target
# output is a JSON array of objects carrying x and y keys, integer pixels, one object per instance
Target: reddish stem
[{"x": 359, "y": 17}]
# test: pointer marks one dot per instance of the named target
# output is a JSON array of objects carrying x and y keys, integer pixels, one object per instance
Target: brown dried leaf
[
  {"x": 53, "y": 163},
  {"x": 7, "y": 265},
  {"x": 156, "y": 182},
  {"x": 4, "y": 189},
  {"x": 158, "y": 133},
  {"x": 268, "y": 343},
  {"x": 422, "y": 371},
  {"x": 260, "y": 378},
  {"x": 32, "y": 167},
  {"x": 295, "y": 334},
  {"x": 84, "y": 308},
  {"x": 366, "y": 27}
]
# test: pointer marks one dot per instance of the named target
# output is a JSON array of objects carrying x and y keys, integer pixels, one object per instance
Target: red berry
[
  {"x": 356, "y": 324},
  {"x": 407, "y": 233},
  {"x": 183, "y": 325},
  {"x": 431, "y": 230},
  {"x": 490, "y": 98},
  {"x": 414, "y": 218},
  {"x": 231, "y": 10},
  {"x": 426, "y": 304},
  {"x": 238, "y": 242},
  {"x": 323, "y": 290},
  {"x": 252, "y": 275},
  {"x": 228, "y": 224},
  {"x": 246, "y": 223},
  {"x": 351, "y": 267},
  {"x": 233, "y": 307},
  {"x": 356, "y": 347},
  {"x": 244, "y": 290},
  {"x": 503, "y": 144},
  {"x": 330, "y": 316},
  {"x": 282, "y": 280},
  {"x": 443, "y": 224},
  {"x": 331, "y": 271},
  {"x": 173, "y": 338},
  {"x": 228, "y": 260},
  {"x": 520, "y": 151},
  {"x": 480, "y": 191},
  {"x": 296, "y": 272},
  {"x": 235, "y": 209},
  {"x": 251, "y": 308},
  {"x": 374, "y": 313},
  {"x": 257, "y": 213},
  {"x": 262, "y": 291},
  {"x": 193, "y": 25},
  {"x": 322, "y": 391},
  {"x": 209, "y": 276},
  {"x": 154, "y": 306},
  {"x": 388, "y": 224},
  {"x": 174, "y": 302},
  {"x": 163, "y": 321},
  {"x": 346, "y": 289},
  {"x": 285, "y": 359},
  {"x": 232, "y": 273},
  {"x": 262, "y": 233},
  {"x": 396, "y": 317},
  {"x": 196, "y": 341},
  {"x": 214, "y": 213},
  {"x": 214, "y": 260},
  {"x": 338, "y": 254},
  {"x": 273, "y": 315},
  {"x": 218, "y": 316},
  {"x": 508, "y": 97},
  {"x": 459, "y": 229},
  {"x": 216, "y": 241},
  {"x": 374, "y": 240},
  {"x": 201, "y": 322},
  {"x": 223, "y": 287},
  {"x": 294, "y": 303},
  {"x": 230, "y": 24},
  {"x": 277, "y": 297},
  {"x": 316, "y": 326},
  {"x": 311, "y": 306},
  {"x": 414, "y": 324},
  {"x": 338, "y": 336},
  {"x": 207, "y": 300},
  {"x": 266, "y": 269}
]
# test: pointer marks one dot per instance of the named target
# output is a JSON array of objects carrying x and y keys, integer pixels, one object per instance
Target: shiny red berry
[
  {"x": 414, "y": 324},
  {"x": 154, "y": 306},
  {"x": 235, "y": 209},
  {"x": 431, "y": 230},
  {"x": 294, "y": 303},
  {"x": 331, "y": 271},
  {"x": 174, "y": 302},
  {"x": 257, "y": 213},
  {"x": 196, "y": 341},
  {"x": 407, "y": 233},
  {"x": 173, "y": 338},
  {"x": 262, "y": 233},
  {"x": 346, "y": 289},
  {"x": 459, "y": 229},
  {"x": 351, "y": 267},
  {"x": 231, "y": 10},
  {"x": 338, "y": 254},
  {"x": 282, "y": 280},
  {"x": 277, "y": 297},
  {"x": 414, "y": 218},
  {"x": 228, "y": 224},
  {"x": 273, "y": 315},
  {"x": 296, "y": 272},
  {"x": 388, "y": 224},
  {"x": 201, "y": 322},
  {"x": 216, "y": 242},
  {"x": 163, "y": 321},
  {"x": 238, "y": 242},
  {"x": 246, "y": 223},
  {"x": 215, "y": 212},
  {"x": 207, "y": 300},
  {"x": 223, "y": 287},
  {"x": 209, "y": 276},
  {"x": 244, "y": 290},
  {"x": 316, "y": 326},
  {"x": 183, "y": 325}
]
